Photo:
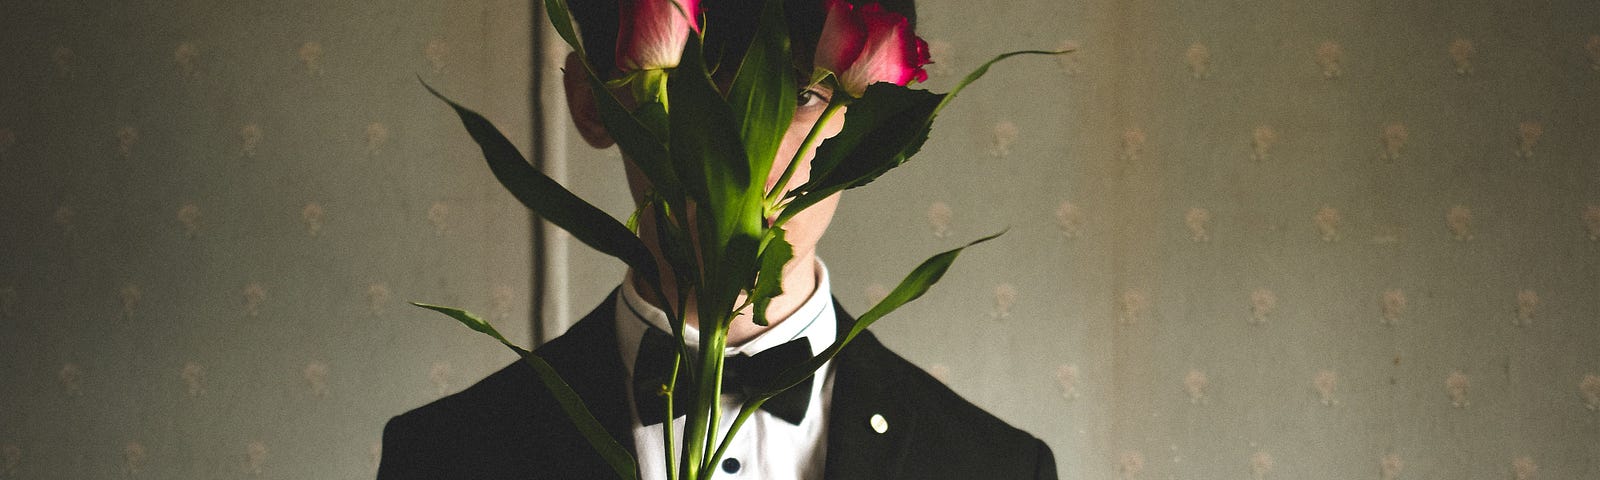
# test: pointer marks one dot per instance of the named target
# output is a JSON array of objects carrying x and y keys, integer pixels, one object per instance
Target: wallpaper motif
[{"x": 214, "y": 213}]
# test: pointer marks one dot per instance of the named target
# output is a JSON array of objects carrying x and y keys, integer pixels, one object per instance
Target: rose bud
[
  {"x": 653, "y": 32},
  {"x": 888, "y": 50}
]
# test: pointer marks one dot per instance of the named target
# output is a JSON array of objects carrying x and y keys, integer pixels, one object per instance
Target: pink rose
[
  {"x": 652, "y": 32},
  {"x": 866, "y": 45}
]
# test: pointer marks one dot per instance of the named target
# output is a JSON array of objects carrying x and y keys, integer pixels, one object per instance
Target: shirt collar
[{"x": 815, "y": 320}]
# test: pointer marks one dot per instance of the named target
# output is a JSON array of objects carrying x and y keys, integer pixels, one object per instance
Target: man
[{"x": 867, "y": 414}]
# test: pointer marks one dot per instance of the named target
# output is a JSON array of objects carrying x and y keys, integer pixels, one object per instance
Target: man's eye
[{"x": 810, "y": 98}]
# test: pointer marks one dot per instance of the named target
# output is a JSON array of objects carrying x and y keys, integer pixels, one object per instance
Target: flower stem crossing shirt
[{"x": 766, "y": 447}]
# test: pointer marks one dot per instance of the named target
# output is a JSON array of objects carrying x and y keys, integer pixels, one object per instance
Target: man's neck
[{"x": 799, "y": 283}]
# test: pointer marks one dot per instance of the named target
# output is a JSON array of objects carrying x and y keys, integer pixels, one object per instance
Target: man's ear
[{"x": 580, "y": 103}]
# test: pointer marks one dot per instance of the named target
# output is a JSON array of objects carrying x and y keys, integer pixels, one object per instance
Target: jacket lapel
[{"x": 868, "y": 430}]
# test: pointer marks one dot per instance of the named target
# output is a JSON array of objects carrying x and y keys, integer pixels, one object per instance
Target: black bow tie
[{"x": 741, "y": 374}]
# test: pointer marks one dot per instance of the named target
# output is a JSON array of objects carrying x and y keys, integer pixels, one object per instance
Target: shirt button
[{"x": 730, "y": 465}]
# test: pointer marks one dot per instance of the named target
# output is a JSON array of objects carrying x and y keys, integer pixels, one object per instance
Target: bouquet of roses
[{"x": 708, "y": 152}]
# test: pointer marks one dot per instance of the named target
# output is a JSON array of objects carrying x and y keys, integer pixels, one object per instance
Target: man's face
[{"x": 804, "y": 230}]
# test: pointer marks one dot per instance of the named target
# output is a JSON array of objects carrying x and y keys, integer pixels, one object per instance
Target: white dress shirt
[{"x": 766, "y": 447}]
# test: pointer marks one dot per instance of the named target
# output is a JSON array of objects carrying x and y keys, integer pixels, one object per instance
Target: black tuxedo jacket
[{"x": 508, "y": 426}]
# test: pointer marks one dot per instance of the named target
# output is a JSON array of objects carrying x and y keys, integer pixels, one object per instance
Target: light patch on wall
[
  {"x": 1261, "y": 464},
  {"x": 439, "y": 216},
  {"x": 310, "y": 54},
  {"x": 1456, "y": 385},
  {"x": 1263, "y": 304},
  {"x": 940, "y": 219},
  {"x": 194, "y": 378},
  {"x": 1589, "y": 390},
  {"x": 63, "y": 218},
  {"x": 8, "y": 139},
  {"x": 189, "y": 219},
  {"x": 1198, "y": 221},
  {"x": 10, "y": 459},
  {"x": 435, "y": 52},
  {"x": 1524, "y": 468},
  {"x": 65, "y": 61},
  {"x": 1067, "y": 378},
  {"x": 1330, "y": 56},
  {"x": 255, "y": 294},
  {"x": 1070, "y": 219},
  {"x": 1527, "y": 308},
  {"x": 1132, "y": 306},
  {"x": 1461, "y": 54},
  {"x": 1390, "y": 467},
  {"x": 1393, "y": 139},
  {"x": 1002, "y": 137},
  {"x": 71, "y": 378},
  {"x": 8, "y": 301},
  {"x": 1262, "y": 138},
  {"x": 1591, "y": 221},
  {"x": 315, "y": 374},
  {"x": 1393, "y": 305},
  {"x": 127, "y": 138},
  {"x": 250, "y": 136},
  {"x": 1459, "y": 220},
  {"x": 1132, "y": 144},
  {"x": 1326, "y": 384},
  {"x": 940, "y": 372},
  {"x": 439, "y": 375},
  {"x": 134, "y": 458},
  {"x": 186, "y": 56},
  {"x": 1130, "y": 465},
  {"x": 377, "y": 134},
  {"x": 255, "y": 458},
  {"x": 500, "y": 303},
  {"x": 875, "y": 293},
  {"x": 130, "y": 295},
  {"x": 1328, "y": 220},
  {"x": 1195, "y": 385},
  {"x": 1005, "y": 296},
  {"x": 1592, "y": 47},
  {"x": 311, "y": 214},
  {"x": 377, "y": 298},
  {"x": 1528, "y": 134},
  {"x": 1070, "y": 63},
  {"x": 1198, "y": 58}
]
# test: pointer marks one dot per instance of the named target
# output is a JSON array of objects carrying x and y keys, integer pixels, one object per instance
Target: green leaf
[
  {"x": 769, "y": 282},
  {"x": 706, "y": 147},
  {"x": 763, "y": 90},
  {"x": 620, "y": 459},
  {"x": 641, "y": 135},
  {"x": 881, "y": 131},
  {"x": 561, "y": 19},
  {"x": 913, "y": 286},
  {"x": 549, "y": 199}
]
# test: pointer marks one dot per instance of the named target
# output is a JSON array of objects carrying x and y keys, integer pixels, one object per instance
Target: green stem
[
  {"x": 811, "y": 139},
  {"x": 666, "y": 426},
  {"x": 714, "y": 405},
  {"x": 744, "y": 414}
]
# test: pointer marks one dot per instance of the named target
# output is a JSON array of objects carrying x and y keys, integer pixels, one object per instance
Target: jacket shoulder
[
  {"x": 951, "y": 434},
  {"x": 509, "y": 424}
]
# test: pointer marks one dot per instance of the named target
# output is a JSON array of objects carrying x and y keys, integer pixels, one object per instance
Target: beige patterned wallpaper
[
  {"x": 1248, "y": 239},
  {"x": 213, "y": 213},
  {"x": 1293, "y": 240}
]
